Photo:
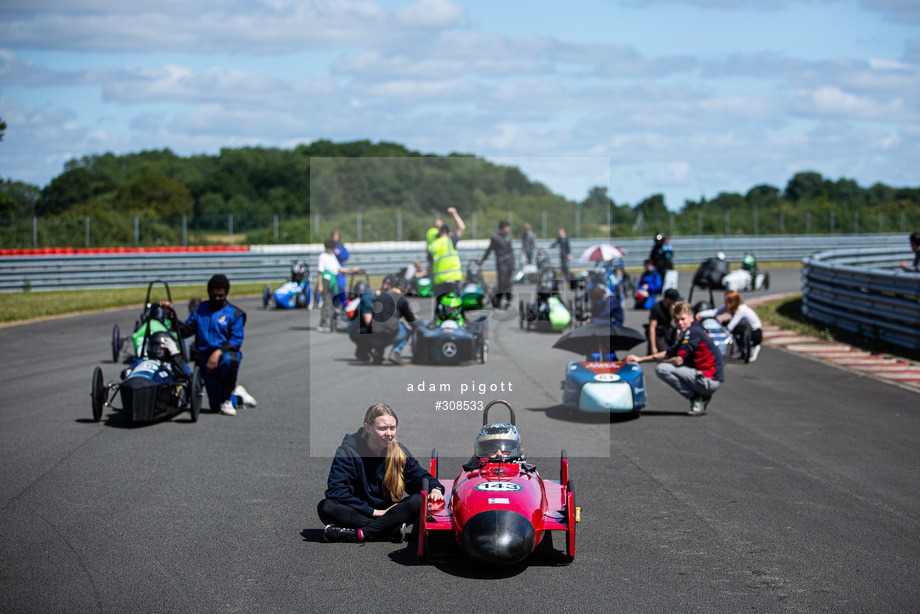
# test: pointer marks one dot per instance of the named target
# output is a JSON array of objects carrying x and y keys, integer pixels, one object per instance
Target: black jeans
[{"x": 406, "y": 511}]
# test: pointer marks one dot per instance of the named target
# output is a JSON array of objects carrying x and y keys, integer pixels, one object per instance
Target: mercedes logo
[{"x": 449, "y": 349}]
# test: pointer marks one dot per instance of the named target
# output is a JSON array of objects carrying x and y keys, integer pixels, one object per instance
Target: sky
[{"x": 686, "y": 98}]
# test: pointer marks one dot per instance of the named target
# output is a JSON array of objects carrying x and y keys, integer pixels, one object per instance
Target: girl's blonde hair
[
  {"x": 395, "y": 463},
  {"x": 732, "y": 301}
]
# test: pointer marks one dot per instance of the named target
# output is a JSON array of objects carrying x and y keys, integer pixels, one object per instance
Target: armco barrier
[
  {"x": 864, "y": 291},
  {"x": 123, "y": 267}
]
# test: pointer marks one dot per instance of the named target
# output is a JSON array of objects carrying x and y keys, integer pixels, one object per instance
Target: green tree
[
  {"x": 156, "y": 195},
  {"x": 804, "y": 186}
]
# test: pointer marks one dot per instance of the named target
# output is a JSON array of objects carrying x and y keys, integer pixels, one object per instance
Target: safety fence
[
  {"x": 863, "y": 290},
  {"x": 271, "y": 264}
]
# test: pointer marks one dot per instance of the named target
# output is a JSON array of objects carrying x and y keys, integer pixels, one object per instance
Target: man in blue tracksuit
[{"x": 218, "y": 329}]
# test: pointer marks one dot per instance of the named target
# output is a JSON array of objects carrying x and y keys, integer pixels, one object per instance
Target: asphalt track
[{"x": 797, "y": 492}]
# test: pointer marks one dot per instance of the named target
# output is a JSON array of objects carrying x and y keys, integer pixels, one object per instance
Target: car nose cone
[{"x": 502, "y": 537}]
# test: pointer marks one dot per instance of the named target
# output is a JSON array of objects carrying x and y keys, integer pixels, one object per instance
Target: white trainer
[
  {"x": 754, "y": 352},
  {"x": 226, "y": 408},
  {"x": 245, "y": 398}
]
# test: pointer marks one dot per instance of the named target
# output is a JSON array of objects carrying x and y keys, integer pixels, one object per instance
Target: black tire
[
  {"x": 484, "y": 352},
  {"x": 266, "y": 297},
  {"x": 562, "y": 457},
  {"x": 98, "y": 394},
  {"x": 116, "y": 344},
  {"x": 745, "y": 345},
  {"x": 311, "y": 298},
  {"x": 197, "y": 393},
  {"x": 766, "y": 281},
  {"x": 521, "y": 314}
]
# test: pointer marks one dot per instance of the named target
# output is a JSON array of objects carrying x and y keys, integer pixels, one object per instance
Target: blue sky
[{"x": 687, "y": 98}]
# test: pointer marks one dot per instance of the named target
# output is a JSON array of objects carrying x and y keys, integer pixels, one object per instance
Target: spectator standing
[
  {"x": 504, "y": 264},
  {"x": 444, "y": 261},
  {"x": 565, "y": 253},
  {"x": 327, "y": 272},
  {"x": 528, "y": 243},
  {"x": 341, "y": 254}
]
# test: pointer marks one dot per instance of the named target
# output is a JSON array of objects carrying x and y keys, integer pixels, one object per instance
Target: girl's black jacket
[{"x": 356, "y": 476}]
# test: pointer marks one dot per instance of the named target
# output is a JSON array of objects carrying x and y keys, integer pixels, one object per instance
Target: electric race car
[
  {"x": 157, "y": 385},
  {"x": 714, "y": 274},
  {"x": 296, "y": 292},
  {"x": 601, "y": 383},
  {"x": 154, "y": 319},
  {"x": 499, "y": 508},
  {"x": 547, "y": 313},
  {"x": 450, "y": 339}
]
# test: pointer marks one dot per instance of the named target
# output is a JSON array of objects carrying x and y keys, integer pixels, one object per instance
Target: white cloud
[{"x": 431, "y": 14}]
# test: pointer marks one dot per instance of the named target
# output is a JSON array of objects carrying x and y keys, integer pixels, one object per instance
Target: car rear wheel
[
  {"x": 98, "y": 394},
  {"x": 484, "y": 352}
]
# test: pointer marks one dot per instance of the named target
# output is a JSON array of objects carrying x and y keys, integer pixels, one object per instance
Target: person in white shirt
[
  {"x": 327, "y": 269},
  {"x": 738, "y": 318}
]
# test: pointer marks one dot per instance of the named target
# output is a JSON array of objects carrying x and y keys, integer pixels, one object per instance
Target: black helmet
[
  {"x": 159, "y": 346},
  {"x": 499, "y": 437},
  {"x": 157, "y": 313},
  {"x": 701, "y": 306},
  {"x": 361, "y": 288}
]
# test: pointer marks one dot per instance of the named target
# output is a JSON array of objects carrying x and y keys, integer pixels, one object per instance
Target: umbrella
[
  {"x": 586, "y": 339},
  {"x": 601, "y": 252}
]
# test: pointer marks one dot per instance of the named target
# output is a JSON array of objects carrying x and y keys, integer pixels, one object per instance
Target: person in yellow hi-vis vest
[{"x": 444, "y": 261}]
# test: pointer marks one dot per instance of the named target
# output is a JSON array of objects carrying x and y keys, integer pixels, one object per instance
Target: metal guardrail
[
  {"x": 271, "y": 264},
  {"x": 864, "y": 291}
]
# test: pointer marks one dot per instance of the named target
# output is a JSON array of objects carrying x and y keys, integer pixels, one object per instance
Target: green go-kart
[{"x": 154, "y": 319}]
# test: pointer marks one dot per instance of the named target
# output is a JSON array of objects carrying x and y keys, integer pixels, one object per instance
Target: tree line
[{"x": 315, "y": 187}]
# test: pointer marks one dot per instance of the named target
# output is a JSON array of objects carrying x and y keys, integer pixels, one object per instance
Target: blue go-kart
[
  {"x": 601, "y": 383},
  {"x": 297, "y": 292}
]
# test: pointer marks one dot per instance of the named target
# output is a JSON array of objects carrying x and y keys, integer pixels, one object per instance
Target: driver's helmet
[
  {"x": 748, "y": 262},
  {"x": 361, "y": 288},
  {"x": 702, "y": 306},
  {"x": 298, "y": 272},
  {"x": 160, "y": 346},
  {"x": 450, "y": 307},
  {"x": 720, "y": 256},
  {"x": 499, "y": 436},
  {"x": 157, "y": 313}
]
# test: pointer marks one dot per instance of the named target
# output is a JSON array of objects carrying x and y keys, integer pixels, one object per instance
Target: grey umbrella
[{"x": 590, "y": 337}]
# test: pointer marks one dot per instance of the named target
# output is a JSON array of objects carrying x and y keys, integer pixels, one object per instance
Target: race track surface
[{"x": 797, "y": 492}]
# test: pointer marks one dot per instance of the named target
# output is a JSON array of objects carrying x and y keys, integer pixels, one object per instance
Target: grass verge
[
  {"x": 787, "y": 314},
  {"x": 22, "y": 306}
]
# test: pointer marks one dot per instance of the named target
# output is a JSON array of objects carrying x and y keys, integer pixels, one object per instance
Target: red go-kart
[{"x": 499, "y": 509}]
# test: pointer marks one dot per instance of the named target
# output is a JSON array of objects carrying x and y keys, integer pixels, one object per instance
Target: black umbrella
[{"x": 588, "y": 338}]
